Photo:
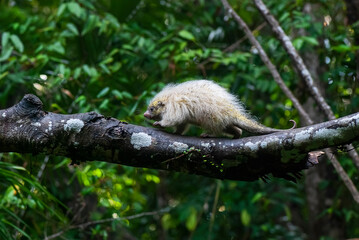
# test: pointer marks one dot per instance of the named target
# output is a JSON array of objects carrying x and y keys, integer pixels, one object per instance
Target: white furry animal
[{"x": 206, "y": 104}]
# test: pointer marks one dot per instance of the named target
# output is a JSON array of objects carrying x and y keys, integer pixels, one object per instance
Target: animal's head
[{"x": 155, "y": 110}]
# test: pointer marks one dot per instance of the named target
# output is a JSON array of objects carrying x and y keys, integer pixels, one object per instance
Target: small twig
[
  {"x": 42, "y": 168},
  {"x": 81, "y": 89},
  {"x": 203, "y": 209},
  {"x": 174, "y": 158},
  {"x": 232, "y": 47},
  {"x": 38, "y": 176},
  {"x": 214, "y": 208},
  {"x": 181, "y": 155},
  {"x": 84, "y": 225}
]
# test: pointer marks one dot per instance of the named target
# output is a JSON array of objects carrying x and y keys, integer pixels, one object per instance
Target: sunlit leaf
[
  {"x": 17, "y": 43},
  {"x": 73, "y": 28},
  {"x": 5, "y": 53},
  {"x": 311, "y": 40},
  {"x": 61, "y": 9},
  {"x": 104, "y": 104},
  {"x": 127, "y": 94},
  {"x": 191, "y": 221},
  {"x": 245, "y": 218},
  {"x": 186, "y": 35},
  {"x": 56, "y": 47},
  {"x": 166, "y": 221},
  {"x": 2, "y": 75},
  {"x": 117, "y": 94},
  {"x": 341, "y": 48},
  {"x": 257, "y": 197},
  {"x": 90, "y": 24},
  {"x": 284, "y": 16},
  {"x": 5, "y": 39},
  {"x": 103, "y": 92},
  {"x": 74, "y": 8}
]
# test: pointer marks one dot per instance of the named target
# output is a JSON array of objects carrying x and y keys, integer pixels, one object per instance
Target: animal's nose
[{"x": 147, "y": 114}]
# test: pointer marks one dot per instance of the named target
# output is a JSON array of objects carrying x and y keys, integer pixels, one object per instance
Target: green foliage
[
  {"x": 112, "y": 57},
  {"x": 22, "y": 192}
]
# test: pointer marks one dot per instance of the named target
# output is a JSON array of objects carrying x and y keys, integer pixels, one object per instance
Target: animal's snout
[{"x": 147, "y": 115}]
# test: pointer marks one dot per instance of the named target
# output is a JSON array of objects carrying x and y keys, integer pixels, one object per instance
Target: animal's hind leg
[{"x": 234, "y": 130}]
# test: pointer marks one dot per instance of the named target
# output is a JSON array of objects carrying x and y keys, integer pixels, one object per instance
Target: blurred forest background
[{"x": 112, "y": 56}]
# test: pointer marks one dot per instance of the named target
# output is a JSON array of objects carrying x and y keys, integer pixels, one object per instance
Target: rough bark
[{"x": 26, "y": 128}]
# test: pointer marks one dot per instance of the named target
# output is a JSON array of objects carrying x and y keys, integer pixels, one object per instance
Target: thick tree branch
[{"x": 26, "y": 128}]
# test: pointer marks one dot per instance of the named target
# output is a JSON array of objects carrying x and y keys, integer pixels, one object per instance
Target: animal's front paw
[{"x": 157, "y": 124}]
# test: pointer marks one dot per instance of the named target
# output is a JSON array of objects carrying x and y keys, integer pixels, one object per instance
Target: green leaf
[
  {"x": 2, "y": 75},
  {"x": 288, "y": 212},
  {"x": 298, "y": 43},
  {"x": 127, "y": 95},
  {"x": 186, "y": 35},
  {"x": 74, "y": 8},
  {"x": 17, "y": 43},
  {"x": 256, "y": 197},
  {"x": 113, "y": 21},
  {"x": 105, "y": 68},
  {"x": 61, "y": 9},
  {"x": 117, "y": 94},
  {"x": 73, "y": 28},
  {"x": 191, "y": 221},
  {"x": 80, "y": 99},
  {"x": 311, "y": 40},
  {"x": 103, "y": 92},
  {"x": 57, "y": 107},
  {"x": 245, "y": 218},
  {"x": 87, "y": 69},
  {"x": 104, "y": 104},
  {"x": 107, "y": 61},
  {"x": 77, "y": 73},
  {"x": 56, "y": 47},
  {"x": 341, "y": 48},
  {"x": 16, "y": 228},
  {"x": 5, "y": 54},
  {"x": 90, "y": 24},
  {"x": 5, "y": 39},
  {"x": 167, "y": 221},
  {"x": 87, "y": 4},
  {"x": 284, "y": 16},
  {"x": 62, "y": 68}
]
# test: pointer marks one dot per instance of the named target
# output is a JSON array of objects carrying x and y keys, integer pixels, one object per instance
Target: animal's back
[{"x": 204, "y": 103}]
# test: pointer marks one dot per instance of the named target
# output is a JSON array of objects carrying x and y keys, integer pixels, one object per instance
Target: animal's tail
[
  {"x": 294, "y": 124},
  {"x": 254, "y": 127}
]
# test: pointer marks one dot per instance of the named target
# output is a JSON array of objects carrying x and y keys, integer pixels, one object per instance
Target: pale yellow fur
[{"x": 206, "y": 104}]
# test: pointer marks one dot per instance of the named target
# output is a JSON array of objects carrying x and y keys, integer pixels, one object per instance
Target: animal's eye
[{"x": 152, "y": 108}]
